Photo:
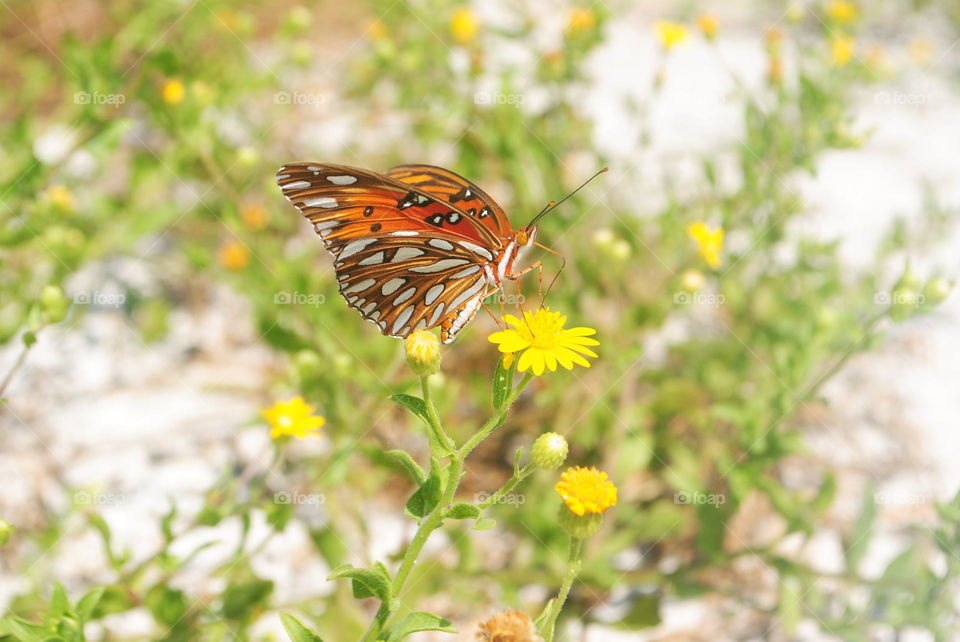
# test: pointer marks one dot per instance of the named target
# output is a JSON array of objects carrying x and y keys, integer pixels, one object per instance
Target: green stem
[
  {"x": 495, "y": 420},
  {"x": 510, "y": 485},
  {"x": 573, "y": 567},
  {"x": 434, "y": 418}
]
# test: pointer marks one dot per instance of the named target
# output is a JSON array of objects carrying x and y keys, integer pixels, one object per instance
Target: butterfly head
[{"x": 526, "y": 235}]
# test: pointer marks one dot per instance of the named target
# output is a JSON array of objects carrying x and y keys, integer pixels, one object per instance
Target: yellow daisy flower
[
  {"x": 670, "y": 34},
  {"x": 254, "y": 217},
  {"x": 842, "y": 11},
  {"x": 464, "y": 26},
  {"x": 581, "y": 19},
  {"x": 708, "y": 25},
  {"x": 234, "y": 256},
  {"x": 173, "y": 91},
  {"x": 543, "y": 342},
  {"x": 709, "y": 242},
  {"x": 586, "y": 490},
  {"x": 292, "y": 418},
  {"x": 841, "y": 50}
]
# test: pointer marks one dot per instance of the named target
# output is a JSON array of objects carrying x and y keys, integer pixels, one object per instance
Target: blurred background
[{"x": 778, "y": 409}]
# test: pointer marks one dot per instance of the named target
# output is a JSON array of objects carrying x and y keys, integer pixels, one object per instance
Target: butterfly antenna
[{"x": 553, "y": 205}]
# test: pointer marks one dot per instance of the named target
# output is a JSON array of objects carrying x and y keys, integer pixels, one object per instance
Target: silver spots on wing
[
  {"x": 439, "y": 266},
  {"x": 352, "y": 248},
  {"x": 342, "y": 180},
  {"x": 404, "y": 296},
  {"x": 437, "y": 314},
  {"x": 373, "y": 259},
  {"x": 404, "y": 233},
  {"x": 405, "y": 253},
  {"x": 392, "y": 286},
  {"x": 295, "y": 185},
  {"x": 453, "y": 217},
  {"x": 473, "y": 269},
  {"x": 433, "y": 293},
  {"x": 471, "y": 291},
  {"x": 325, "y": 202},
  {"x": 476, "y": 249},
  {"x": 370, "y": 307},
  {"x": 360, "y": 287},
  {"x": 440, "y": 244},
  {"x": 402, "y": 319}
]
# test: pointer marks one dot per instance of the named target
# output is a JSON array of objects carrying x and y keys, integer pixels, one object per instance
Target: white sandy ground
[{"x": 134, "y": 424}]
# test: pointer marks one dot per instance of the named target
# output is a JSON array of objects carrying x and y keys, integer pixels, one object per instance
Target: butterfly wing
[
  {"x": 457, "y": 190},
  {"x": 397, "y": 263}
]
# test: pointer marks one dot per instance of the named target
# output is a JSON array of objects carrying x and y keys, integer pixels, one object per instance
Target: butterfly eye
[{"x": 522, "y": 238}]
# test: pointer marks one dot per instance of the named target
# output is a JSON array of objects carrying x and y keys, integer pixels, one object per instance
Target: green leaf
[
  {"x": 297, "y": 631},
  {"x": 59, "y": 603},
  {"x": 416, "y": 405},
  {"x": 239, "y": 599},
  {"x": 89, "y": 602},
  {"x": 366, "y": 583},
  {"x": 167, "y": 605},
  {"x": 425, "y": 499},
  {"x": 419, "y": 621},
  {"x": 502, "y": 384},
  {"x": 25, "y": 631},
  {"x": 463, "y": 511},
  {"x": 484, "y": 524},
  {"x": 403, "y": 458}
]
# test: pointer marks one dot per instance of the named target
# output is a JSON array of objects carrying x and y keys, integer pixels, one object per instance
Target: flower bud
[
  {"x": 549, "y": 451},
  {"x": 937, "y": 290},
  {"x": 579, "y": 526},
  {"x": 692, "y": 280},
  {"x": 6, "y": 531},
  {"x": 906, "y": 302},
  {"x": 423, "y": 353},
  {"x": 54, "y": 303}
]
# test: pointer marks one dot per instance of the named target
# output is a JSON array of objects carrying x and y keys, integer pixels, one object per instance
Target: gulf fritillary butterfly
[{"x": 414, "y": 248}]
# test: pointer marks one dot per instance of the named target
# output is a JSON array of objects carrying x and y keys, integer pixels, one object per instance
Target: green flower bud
[
  {"x": 53, "y": 302},
  {"x": 579, "y": 526},
  {"x": 549, "y": 451},
  {"x": 937, "y": 290},
  {"x": 6, "y": 531},
  {"x": 423, "y": 353},
  {"x": 906, "y": 302}
]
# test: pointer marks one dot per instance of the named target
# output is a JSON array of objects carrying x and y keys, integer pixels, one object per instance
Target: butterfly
[{"x": 415, "y": 248}]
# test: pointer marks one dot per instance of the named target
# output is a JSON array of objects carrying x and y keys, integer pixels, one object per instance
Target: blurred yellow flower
[
  {"x": 376, "y": 30},
  {"x": 586, "y": 490},
  {"x": 509, "y": 626},
  {"x": 173, "y": 91},
  {"x": 464, "y": 26},
  {"x": 581, "y": 19},
  {"x": 920, "y": 50},
  {"x": 709, "y": 242},
  {"x": 842, "y": 11},
  {"x": 841, "y": 49},
  {"x": 670, "y": 34},
  {"x": 543, "y": 342},
  {"x": 234, "y": 255},
  {"x": 708, "y": 25},
  {"x": 292, "y": 418},
  {"x": 60, "y": 196},
  {"x": 254, "y": 217}
]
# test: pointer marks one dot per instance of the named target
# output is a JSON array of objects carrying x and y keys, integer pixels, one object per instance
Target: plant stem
[
  {"x": 510, "y": 485},
  {"x": 434, "y": 418},
  {"x": 495, "y": 420},
  {"x": 573, "y": 567}
]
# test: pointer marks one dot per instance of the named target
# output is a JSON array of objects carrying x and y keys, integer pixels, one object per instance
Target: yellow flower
[
  {"x": 463, "y": 26},
  {"x": 586, "y": 490},
  {"x": 581, "y": 19},
  {"x": 509, "y": 626},
  {"x": 423, "y": 352},
  {"x": 234, "y": 255},
  {"x": 173, "y": 91},
  {"x": 709, "y": 242},
  {"x": 842, "y": 11},
  {"x": 708, "y": 25},
  {"x": 254, "y": 217},
  {"x": 292, "y": 418},
  {"x": 60, "y": 196},
  {"x": 543, "y": 341},
  {"x": 841, "y": 49},
  {"x": 376, "y": 30},
  {"x": 670, "y": 33},
  {"x": 920, "y": 51}
]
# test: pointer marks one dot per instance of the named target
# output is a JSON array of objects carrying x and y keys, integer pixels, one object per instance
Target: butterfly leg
[{"x": 516, "y": 276}]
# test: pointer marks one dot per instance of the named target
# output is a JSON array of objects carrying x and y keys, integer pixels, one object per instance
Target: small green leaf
[
  {"x": 297, "y": 631},
  {"x": 59, "y": 603},
  {"x": 239, "y": 599},
  {"x": 24, "y": 631},
  {"x": 502, "y": 384},
  {"x": 29, "y": 338},
  {"x": 416, "y": 405},
  {"x": 516, "y": 461},
  {"x": 403, "y": 458},
  {"x": 167, "y": 605},
  {"x": 425, "y": 499},
  {"x": 89, "y": 602},
  {"x": 366, "y": 583},
  {"x": 419, "y": 621},
  {"x": 484, "y": 524},
  {"x": 463, "y": 511}
]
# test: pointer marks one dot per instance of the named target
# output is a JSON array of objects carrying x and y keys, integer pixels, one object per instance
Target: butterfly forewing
[{"x": 406, "y": 257}]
